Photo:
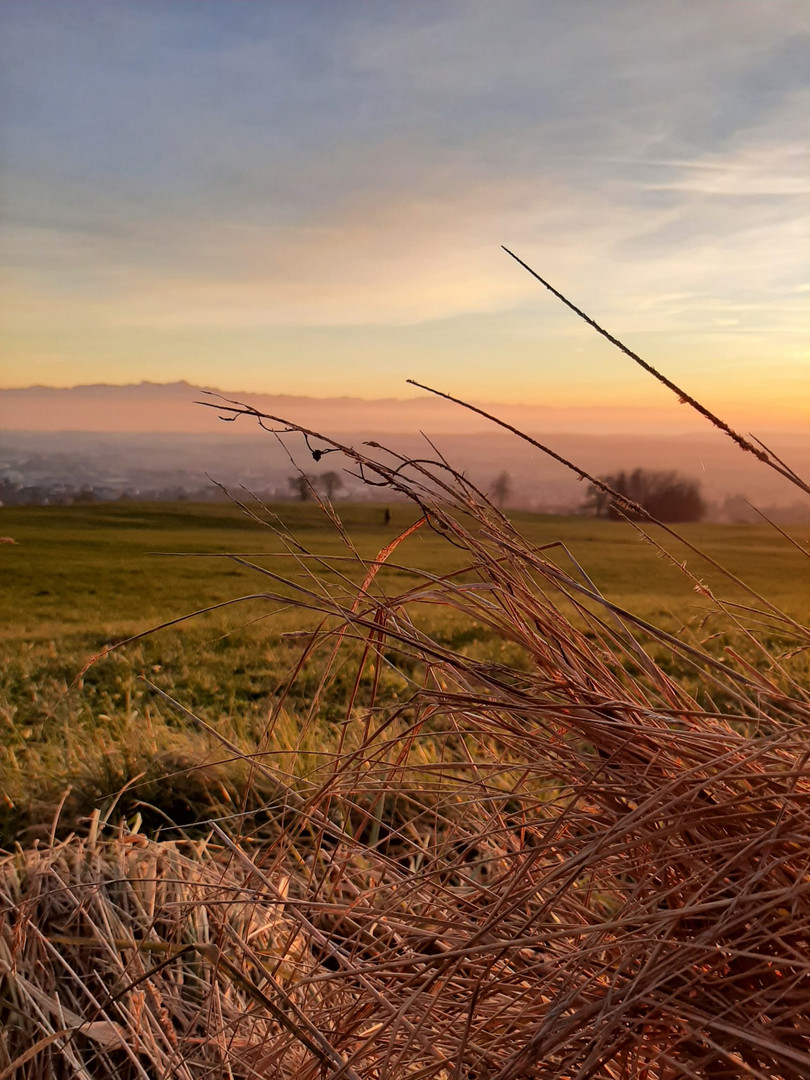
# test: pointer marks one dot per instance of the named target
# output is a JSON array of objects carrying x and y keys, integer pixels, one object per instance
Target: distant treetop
[{"x": 667, "y": 496}]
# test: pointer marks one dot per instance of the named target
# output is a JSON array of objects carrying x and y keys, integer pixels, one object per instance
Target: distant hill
[
  {"x": 171, "y": 407},
  {"x": 152, "y": 438}
]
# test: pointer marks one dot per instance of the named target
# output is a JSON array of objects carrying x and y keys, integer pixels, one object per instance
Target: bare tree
[
  {"x": 301, "y": 485},
  {"x": 501, "y": 488},
  {"x": 331, "y": 482},
  {"x": 597, "y": 501}
]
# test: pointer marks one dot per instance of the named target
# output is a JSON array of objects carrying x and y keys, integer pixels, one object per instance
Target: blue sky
[{"x": 309, "y": 197}]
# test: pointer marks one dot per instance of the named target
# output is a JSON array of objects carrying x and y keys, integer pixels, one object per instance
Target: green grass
[
  {"x": 80, "y": 578},
  {"x": 96, "y": 571}
]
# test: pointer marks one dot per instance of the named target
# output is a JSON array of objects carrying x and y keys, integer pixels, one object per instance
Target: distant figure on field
[
  {"x": 386, "y": 516},
  {"x": 501, "y": 489}
]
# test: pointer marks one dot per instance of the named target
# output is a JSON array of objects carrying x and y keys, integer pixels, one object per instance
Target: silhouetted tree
[
  {"x": 331, "y": 482},
  {"x": 597, "y": 501},
  {"x": 301, "y": 485},
  {"x": 501, "y": 488},
  {"x": 667, "y": 496}
]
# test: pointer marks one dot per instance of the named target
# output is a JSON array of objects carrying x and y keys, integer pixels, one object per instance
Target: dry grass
[
  {"x": 563, "y": 860},
  {"x": 115, "y": 954}
]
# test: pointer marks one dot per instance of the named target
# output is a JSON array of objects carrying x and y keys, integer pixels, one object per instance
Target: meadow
[
  {"x": 107, "y": 572},
  {"x": 79, "y": 579},
  {"x": 513, "y": 796}
]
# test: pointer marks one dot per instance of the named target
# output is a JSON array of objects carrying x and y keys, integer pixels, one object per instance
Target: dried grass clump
[
  {"x": 587, "y": 855},
  {"x": 122, "y": 957}
]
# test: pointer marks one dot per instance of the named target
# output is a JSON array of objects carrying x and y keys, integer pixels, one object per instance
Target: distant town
[{"x": 83, "y": 468}]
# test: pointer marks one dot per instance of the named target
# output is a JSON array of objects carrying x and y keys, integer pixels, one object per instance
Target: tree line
[
  {"x": 667, "y": 496},
  {"x": 664, "y": 495},
  {"x": 303, "y": 485}
]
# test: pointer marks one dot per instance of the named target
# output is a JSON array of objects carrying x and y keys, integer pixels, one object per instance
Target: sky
[{"x": 310, "y": 197}]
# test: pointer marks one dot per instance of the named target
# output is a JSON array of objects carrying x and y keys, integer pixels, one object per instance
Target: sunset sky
[{"x": 309, "y": 197}]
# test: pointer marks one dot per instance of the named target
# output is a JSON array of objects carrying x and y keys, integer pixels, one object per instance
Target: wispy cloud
[{"x": 276, "y": 171}]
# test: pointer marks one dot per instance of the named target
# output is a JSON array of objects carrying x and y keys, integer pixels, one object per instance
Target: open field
[
  {"x": 493, "y": 827},
  {"x": 81, "y": 578},
  {"x": 97, "y": 570}
]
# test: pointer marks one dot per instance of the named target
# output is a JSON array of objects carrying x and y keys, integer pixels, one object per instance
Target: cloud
[{"x": 233, "y": 167}]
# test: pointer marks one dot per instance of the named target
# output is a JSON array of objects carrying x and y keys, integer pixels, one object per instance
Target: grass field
[
  {"x": 97, "y": 571},
  {"x": 478, "y": 825},
  {"x": 80, "y": 578}
]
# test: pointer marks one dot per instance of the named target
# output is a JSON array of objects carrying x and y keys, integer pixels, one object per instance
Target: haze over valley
[{"x": 152, "y": 441}]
